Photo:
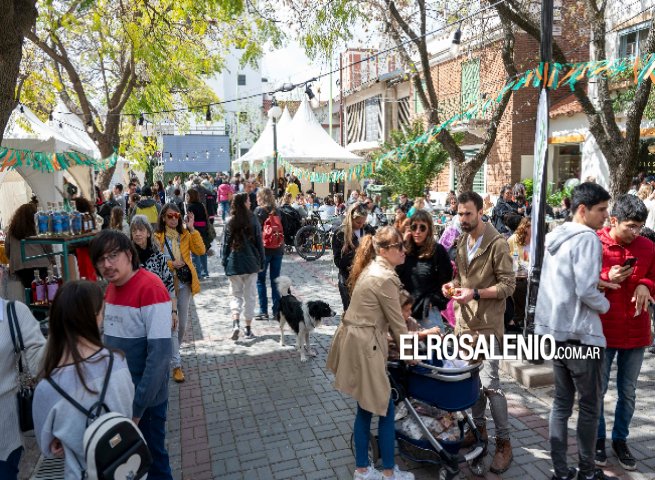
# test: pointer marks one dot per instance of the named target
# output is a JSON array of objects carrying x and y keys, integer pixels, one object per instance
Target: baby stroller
[{"x": 447, "y": 389}]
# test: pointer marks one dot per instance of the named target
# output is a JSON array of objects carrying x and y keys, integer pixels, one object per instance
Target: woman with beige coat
[{"x": 359, "y": 350}]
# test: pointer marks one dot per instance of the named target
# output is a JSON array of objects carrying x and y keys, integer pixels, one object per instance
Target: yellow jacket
[{"x": 189, "y": 243}]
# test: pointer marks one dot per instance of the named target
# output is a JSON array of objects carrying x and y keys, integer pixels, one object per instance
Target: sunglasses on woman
[
  {"x": 171, "y": 215},
  {"x": 418, "y": 226}
]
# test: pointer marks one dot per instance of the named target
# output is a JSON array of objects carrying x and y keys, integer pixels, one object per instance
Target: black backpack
[{"x": 114, "y": 447}]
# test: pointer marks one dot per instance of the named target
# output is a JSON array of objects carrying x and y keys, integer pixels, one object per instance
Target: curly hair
[
  {"x": 22, "y": 223},
  {"x": 522, "y": 231}
]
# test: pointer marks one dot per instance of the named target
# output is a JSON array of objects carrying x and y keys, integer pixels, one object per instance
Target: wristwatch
[
  {"x": 175, "y": 312},
  {"x": 476, "y": 294}
]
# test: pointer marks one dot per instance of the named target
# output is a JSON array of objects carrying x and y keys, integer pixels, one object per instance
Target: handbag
[
  {"x": 183, "y": 274},
  {"x": 211, "y": 231},
  {"x": 26, "y": 382}
]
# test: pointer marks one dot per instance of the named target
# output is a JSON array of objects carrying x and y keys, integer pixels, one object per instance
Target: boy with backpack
[{"x": 148, "y": 206}]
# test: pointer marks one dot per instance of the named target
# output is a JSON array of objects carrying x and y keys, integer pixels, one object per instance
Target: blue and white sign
[{"x": 196, "y": 153}]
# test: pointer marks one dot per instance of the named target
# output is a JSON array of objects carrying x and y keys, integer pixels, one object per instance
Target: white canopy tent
[
  {"x": 25, "y": 131},
  {"x": 301, "y": 141}
]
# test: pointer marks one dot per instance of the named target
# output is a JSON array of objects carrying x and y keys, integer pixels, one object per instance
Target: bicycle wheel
[{"x": 310, "y": 243}]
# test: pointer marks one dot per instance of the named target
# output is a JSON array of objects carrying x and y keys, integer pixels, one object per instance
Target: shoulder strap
[
  {"x": 90, "y": 414},
  {"x": 168, "y": 247},
  {"x": 16, "y": 335},
  {"x": 14, "y": 328}
]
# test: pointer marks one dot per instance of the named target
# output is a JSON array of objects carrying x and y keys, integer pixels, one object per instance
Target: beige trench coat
[{"x": 358, "y": 355}]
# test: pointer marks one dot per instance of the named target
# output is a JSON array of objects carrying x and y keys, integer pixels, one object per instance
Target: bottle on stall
[
  {"x": 41, "y": 220},
  {"x": 53, "y": 283},
  {"x": 76, "y": 223},
  {"x": 38, "y": 290},
  {"x": 57, "y": 224},
  {"x": 65, "y": 219},
  {"x": 515, "y": 259}
]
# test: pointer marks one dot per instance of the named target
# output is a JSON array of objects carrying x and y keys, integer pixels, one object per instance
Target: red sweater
[{"x": 621, "y": 328}]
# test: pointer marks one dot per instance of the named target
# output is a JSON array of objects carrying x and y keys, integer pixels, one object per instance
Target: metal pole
[
  {"x": 330, "y": 98},
  {"x": 275, "y": 157},
  {"x": 533, "y": 286},
  {"x": 341, "y": 106}
]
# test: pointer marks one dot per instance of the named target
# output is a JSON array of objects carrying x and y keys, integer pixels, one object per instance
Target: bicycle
[{"x": 312, "y": 240}]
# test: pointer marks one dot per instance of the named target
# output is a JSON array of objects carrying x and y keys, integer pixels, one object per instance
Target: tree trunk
[
  {"x": 622, "y": 171},
  {"x": 16, "y": 17},
  {"x": 465, "y": 174},
  {"x": 106, "y": 147}
]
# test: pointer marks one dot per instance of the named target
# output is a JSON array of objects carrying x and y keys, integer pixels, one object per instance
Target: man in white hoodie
[{"x": 568, "y": 308}]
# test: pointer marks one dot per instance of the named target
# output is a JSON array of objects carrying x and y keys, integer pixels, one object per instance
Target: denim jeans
[
  {"x": 628, "y": 366},
  {"x": 225, "y": 209},
  {"x": 183, "y": 301},
  {"x": 200, "y": 264},
  {"x": 275, "y": 263},
  {"x": 153, "y": 427},
  {"x": 583, "y": 377},
  {"x": 491, "y": 389},
  {"x": 386, "y": 437},
  {"x": 9, "y": 467}
]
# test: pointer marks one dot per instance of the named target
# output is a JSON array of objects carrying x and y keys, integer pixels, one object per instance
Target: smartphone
[{"x": 630, "y": 262}]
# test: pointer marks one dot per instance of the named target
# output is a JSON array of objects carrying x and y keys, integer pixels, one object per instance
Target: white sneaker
[
  {"x": 399, "y": 475},
  {"x": 370, "y": 474},
  {"x": 235, "y": 332}
]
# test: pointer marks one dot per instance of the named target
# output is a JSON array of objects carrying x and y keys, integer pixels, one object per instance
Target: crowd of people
[{"x": 413, "y": 272}]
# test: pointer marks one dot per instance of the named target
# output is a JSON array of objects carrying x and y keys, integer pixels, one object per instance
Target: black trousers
[{"x": 343, "y": 291}]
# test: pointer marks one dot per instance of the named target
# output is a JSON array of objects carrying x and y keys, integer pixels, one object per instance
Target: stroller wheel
[{"x": 373, "y": 449}]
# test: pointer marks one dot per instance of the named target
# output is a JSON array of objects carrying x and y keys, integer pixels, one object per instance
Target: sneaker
[
  {"x": 249, "y": 335},
  {"x": 398, "y": 474},
  {"x": 601, "y": 455},
  {"x": 235, "y": 331},
  {"x": 262, "y": 317},
  {"x": 570, "y": 476},
  {"x": 598, "y": 475},
  {"x": 622, "y": 451},
  {"x": 370, "y": 474}
]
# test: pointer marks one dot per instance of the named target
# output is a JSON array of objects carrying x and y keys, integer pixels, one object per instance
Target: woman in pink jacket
[{"x": 225, "y": 193}]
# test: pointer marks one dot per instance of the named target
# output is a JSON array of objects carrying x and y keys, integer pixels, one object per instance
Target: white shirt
[{"x": 470, "y": 251}]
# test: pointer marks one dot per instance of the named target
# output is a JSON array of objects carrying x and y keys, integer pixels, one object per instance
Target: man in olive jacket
[{"x": 485, "y": 278}]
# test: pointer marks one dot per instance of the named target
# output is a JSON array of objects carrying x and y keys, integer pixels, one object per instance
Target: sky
[{"x": 290, "y": 64}]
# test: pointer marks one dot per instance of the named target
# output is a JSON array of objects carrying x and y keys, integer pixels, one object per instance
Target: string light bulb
[{"x": 208, "y": 116}]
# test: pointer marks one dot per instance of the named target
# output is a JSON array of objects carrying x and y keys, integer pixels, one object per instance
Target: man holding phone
[{"x": 629, "y": 269}]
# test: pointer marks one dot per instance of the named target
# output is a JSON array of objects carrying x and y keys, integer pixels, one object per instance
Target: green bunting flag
[{"x": 11, "y": 158}]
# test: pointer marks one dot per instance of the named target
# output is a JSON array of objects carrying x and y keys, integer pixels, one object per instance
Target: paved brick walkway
[{"x": 250, "y": 410}]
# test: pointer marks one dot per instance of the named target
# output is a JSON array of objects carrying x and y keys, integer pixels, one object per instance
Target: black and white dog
[{"x": 302, "y": 317}]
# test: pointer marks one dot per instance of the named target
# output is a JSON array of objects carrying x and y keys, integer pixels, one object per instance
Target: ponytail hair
[{"x": 368, "y": 247}]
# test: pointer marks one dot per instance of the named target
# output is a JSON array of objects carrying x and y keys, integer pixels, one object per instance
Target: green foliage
[
  {"x": 553, "y": 197},
  {"x": 625, "y": 95},
  {"x": 414, "y": 170}
]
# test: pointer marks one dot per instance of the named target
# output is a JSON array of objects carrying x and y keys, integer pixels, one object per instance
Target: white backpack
[{"x": 114, "y": 448}]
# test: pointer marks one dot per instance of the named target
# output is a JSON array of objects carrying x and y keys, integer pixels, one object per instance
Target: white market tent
[
  {"x": 301, "y": 141},
  {"x": 25, "y": 131}
]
